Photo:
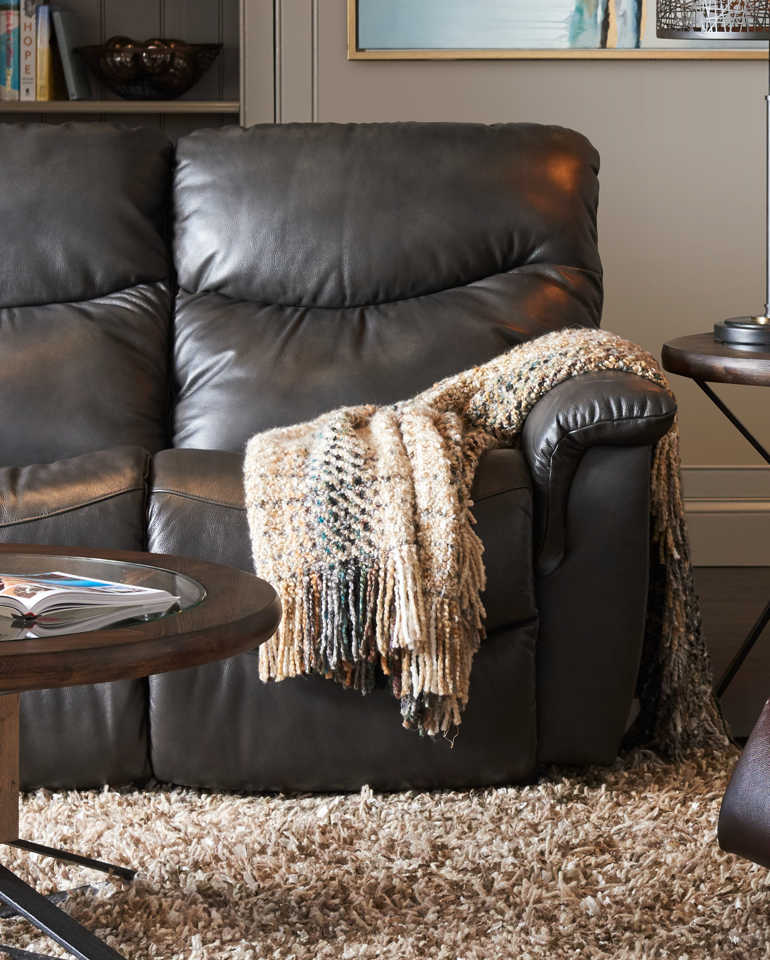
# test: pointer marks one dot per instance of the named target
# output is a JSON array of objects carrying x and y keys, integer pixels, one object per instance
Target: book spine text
[
  {"x": 28, "y": 48},
  {"x": 43, "y": 57}
]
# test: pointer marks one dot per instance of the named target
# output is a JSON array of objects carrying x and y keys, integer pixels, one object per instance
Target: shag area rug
[{"x": 619, "y": 862}]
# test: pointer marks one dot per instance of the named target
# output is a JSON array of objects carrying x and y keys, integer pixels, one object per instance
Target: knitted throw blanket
[{"x": 361, "y": 519}]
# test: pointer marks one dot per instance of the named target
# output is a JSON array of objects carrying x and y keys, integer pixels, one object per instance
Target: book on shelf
[
  {"x": 56, "y": 602},
  {"x": 27, "y": 48},
  {"x": 43, "y": 58},
  {"x": 65, "y": 25},
  {"x": 9, "y": 49}
]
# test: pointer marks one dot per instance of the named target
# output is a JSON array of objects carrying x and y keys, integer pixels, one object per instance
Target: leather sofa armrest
[
  {"x": 744, "y": 818},
  {"x": 594, "y": 409}
]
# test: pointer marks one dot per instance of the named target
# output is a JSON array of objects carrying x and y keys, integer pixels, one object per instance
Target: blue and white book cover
[{"x": 9, "y": 50}]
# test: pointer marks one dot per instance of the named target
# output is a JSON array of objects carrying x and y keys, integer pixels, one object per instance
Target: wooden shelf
[{"x": 121, "y": 106}]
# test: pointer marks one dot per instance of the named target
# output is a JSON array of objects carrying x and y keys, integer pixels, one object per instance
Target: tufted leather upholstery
[{"x": 254, "y": 278}]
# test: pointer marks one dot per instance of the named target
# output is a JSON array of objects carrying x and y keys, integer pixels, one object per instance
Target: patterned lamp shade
[{"x": 713, "y": 19}]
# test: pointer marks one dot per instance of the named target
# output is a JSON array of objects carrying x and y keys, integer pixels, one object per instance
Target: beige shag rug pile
[{"x": 619, "y": 862}]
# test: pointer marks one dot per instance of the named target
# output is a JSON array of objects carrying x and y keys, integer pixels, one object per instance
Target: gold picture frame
[{"x": 688, "y": 52}]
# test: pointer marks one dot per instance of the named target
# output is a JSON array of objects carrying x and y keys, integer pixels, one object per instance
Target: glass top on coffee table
[
  {"x": 227, "y": 611},
  {"x": 189, "y": 591}
]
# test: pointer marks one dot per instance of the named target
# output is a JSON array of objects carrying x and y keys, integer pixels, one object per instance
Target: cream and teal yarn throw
[{"x": 361, "y": 519}]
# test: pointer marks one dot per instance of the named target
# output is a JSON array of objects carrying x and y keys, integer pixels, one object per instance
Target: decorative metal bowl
[{"x": 153, "y": 70}]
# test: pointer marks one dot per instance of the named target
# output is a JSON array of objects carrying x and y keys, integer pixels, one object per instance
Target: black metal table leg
[
  {"x": 66, "y": 857},
  {"x": 756, "y": 631},
  {"x": 17, "y": 954},
  {"x": 56, "y": 924},
  {"x": 58, "y": 896},
  {"x": 744, "y": 431},
  {"x": 743, "y": 652},
  {"x": 12, "y": 907}
]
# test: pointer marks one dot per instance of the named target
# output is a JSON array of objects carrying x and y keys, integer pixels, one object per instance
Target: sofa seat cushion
[
  {"x": 95, "y": 500},
  {"x": 94, "y": 734},
  {"x": 309, "y": 734},
  {"x": 197, "y": 509}
]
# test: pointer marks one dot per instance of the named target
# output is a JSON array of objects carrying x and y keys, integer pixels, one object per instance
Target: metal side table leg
[
  {"x": 124, "y": 873},
  {"x": 756, "y": 631},
  {"x": 14, "y": 892},
  {"x": 16, "y": 954},
  {"x": 745, "y": 649},
  {"x": 56, "y": 924}
]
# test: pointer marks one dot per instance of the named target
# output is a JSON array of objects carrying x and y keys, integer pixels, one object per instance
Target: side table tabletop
[{"x": 705, "y": 360}]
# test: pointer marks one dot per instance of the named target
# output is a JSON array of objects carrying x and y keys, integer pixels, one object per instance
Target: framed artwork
[{"x": 523, "y": 29}]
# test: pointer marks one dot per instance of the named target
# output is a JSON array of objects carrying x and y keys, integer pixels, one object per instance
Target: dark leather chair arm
[
  {"x": 596, "y": 409},
  {"x": 744, "y": 818}
]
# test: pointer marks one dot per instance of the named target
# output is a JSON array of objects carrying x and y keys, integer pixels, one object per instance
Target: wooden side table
[
  {"x": 223, "y": 612},
  {"x": 704, "y": 360}
]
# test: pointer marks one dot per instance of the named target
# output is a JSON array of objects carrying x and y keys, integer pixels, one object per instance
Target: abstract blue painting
[{"x": 499, "y": 24}]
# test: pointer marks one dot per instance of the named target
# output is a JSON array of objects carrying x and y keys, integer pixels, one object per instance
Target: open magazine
[{"x": 52, "y": 603}]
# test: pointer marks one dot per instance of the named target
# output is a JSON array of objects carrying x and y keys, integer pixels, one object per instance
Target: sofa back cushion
[
  {"x": 85, "y": 297},
  {"x": 326, "y": 264}
]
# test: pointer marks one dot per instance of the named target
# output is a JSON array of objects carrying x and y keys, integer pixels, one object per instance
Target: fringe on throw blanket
[{"x": 362, "y": 521}]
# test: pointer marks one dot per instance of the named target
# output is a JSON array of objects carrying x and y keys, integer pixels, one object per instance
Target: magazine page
[
  {"x": 19, "y": 594},
  {"x": 36, "y": 593}
]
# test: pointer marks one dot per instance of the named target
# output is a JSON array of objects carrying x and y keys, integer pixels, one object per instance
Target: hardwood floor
[{"x": 731, "y": 600}]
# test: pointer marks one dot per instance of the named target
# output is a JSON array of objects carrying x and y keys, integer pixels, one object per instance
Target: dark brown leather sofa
[{"x": 160, "y": 304}]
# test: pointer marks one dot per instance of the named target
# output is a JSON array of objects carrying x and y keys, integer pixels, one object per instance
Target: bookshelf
[
  {"x": 215, "y": 99},
  {"x": 192, "y": 107}
]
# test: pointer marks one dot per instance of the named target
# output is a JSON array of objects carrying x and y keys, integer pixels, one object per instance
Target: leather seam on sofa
[
  {"x": 525, "y": 268},
  {"x": 233, "y": 506},
  {"x": 68, "y": 302},
  {"x": 500, "y": 493},
  {"x": 193, "y": 496},
  {"x": 72, "y": 507}
]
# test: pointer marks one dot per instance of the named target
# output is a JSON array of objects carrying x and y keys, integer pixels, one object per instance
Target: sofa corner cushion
[{"x": 95, "y": 500}]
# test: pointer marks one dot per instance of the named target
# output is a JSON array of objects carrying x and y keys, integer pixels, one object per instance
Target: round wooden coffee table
[
  {"x": 702, "y": 358},
  {"x": 224, "y": 612}
]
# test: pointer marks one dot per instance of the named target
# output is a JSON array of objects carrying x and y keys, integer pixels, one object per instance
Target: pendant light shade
[{"x": 713, "y": 19}]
